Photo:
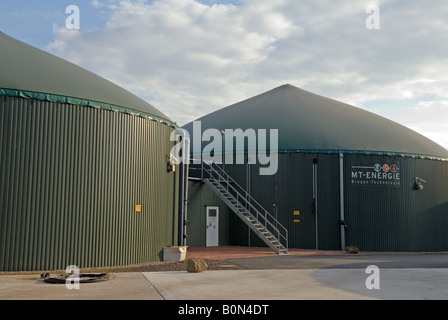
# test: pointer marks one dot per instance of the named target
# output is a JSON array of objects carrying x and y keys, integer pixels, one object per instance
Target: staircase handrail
[{"x": 277, "y": 230}]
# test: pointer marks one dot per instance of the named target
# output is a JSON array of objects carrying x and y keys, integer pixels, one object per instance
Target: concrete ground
[{"x": 300, "y": 275}]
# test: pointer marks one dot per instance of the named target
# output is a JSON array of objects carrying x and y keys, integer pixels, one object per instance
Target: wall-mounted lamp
[
  {"x": 419, "y": 183},
  {"x": 171, "y": 164},
  {"x": 171, "y": 167}
]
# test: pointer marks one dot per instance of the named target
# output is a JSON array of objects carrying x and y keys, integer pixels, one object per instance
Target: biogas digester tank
[
  {"x": 83, "y": 167},
  {"x": 345, "y": 176}
]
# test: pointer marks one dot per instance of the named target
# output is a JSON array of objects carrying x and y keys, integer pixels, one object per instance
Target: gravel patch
[
  {"x": 212, "y": 264},
  {"x": 166, "y": 266}
]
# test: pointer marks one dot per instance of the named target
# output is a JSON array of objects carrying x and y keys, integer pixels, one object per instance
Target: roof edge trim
[
  {"x": 351, "y": 152},
  {"x": 367, "y": 152},
  {"x": 82, "y": 102}
]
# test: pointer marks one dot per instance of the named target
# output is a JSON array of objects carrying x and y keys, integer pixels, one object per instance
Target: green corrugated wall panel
[
  {"x": 291, "y": 189},
  {"x": 401, "y": 218},
  {"x": 196, "y": 227},
  {"x": 379, "y": 218},
  {"x": 200, "y": 196},
  {"x": 71, "y": 176}
]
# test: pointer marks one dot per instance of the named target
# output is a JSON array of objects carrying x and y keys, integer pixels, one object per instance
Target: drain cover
[{"x": 80, "y": 278}]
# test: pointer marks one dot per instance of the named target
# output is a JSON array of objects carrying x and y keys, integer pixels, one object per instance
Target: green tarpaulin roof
[
  {"x": 308, "y": 122},
  {"x": 30, "y": 72}
]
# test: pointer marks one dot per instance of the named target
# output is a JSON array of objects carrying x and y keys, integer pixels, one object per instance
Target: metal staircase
[{"x": 245, "y": 207}]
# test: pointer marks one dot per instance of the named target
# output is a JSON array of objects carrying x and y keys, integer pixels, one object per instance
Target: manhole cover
[{"x": 80, "y": 278}]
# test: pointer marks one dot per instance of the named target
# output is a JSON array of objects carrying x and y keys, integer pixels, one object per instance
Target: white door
[{"x": 212, "y": 237}]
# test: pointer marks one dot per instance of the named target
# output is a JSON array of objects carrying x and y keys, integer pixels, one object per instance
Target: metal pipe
[
  {"x": 315, "y": 198},
  {"x": 180, "y": 208},
  {"x": 341, "y": 200},
  {"x": 183, "y": 186},
  {"x": 186, "y": 160}
]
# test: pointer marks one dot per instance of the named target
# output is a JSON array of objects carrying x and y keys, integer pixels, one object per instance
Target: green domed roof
[
  {"x": 29, "y": 72},
  {"x": 307, "y": 122}
]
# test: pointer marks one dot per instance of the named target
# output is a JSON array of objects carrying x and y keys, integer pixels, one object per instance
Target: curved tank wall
[
  {"x": 83, "y": 167},
  {"x": 382, "y": 212},
  {"x": 71, "y": 178}
]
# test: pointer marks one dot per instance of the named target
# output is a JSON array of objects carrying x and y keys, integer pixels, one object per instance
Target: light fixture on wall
[
  {"x": 171, "y": 164},
  {"x": 419, "y": 183}
]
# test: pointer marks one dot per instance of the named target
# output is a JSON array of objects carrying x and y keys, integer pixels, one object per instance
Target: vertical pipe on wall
[
  {"x": 180, "y": 228},
  {"x": 315, "y": 198},
  {"x": 341, "y": 200},
  {"x": 186, "y": 160},
  {"x": 247, "y": 193}
]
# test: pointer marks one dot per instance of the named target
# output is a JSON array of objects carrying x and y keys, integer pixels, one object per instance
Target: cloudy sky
[{"x": 191, "y": 57}]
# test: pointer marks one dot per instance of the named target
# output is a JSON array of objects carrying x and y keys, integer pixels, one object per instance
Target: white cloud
[
  {"x": 429, "y": 118},
  {"x": 97, "y": 4},
  {"x": 188, "y": 58}
]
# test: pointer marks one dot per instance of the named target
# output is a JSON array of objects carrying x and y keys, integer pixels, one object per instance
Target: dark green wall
[
  {"x": 200, "y": 196},
  {"x": 70, "y": 179},
  {"x": 291, "y": 189},
  {"x": 380, "y": 217},
  {"x": 399, "y": 218}
]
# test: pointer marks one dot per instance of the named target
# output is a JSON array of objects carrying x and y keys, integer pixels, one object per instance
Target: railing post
[
  {"x": 243, "y": 197},
  {"x": 202, "y": 170}
]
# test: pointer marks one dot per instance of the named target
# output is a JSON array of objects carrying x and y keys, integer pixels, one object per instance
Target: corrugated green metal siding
[
  {"x": 399, "y": 219},
  {"x": 239, "y": 233},
  {"x": 291, "y": 189},
  {"x": 200, "y": 196},
  {"x": 379, "y": 218},
  {"x": 71, "y": 177}
]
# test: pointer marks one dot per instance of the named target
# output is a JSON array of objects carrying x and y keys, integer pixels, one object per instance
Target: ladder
[{"x": 265, "y": 226}]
